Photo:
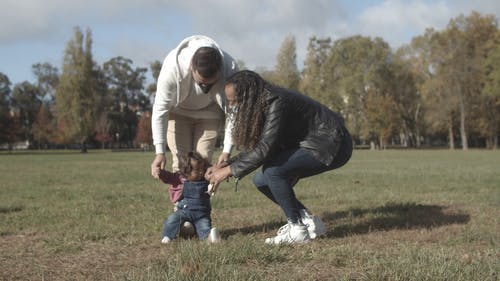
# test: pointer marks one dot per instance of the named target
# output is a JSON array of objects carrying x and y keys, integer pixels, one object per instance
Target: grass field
[{"x": 392, "y": 215}]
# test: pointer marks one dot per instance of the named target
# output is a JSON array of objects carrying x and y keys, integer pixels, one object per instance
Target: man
[{"x": 190, "y": 95}]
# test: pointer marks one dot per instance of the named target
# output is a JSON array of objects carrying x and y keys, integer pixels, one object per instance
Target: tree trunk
[
  {"x": 418, "y": 142},
  {"x": 450, "y": 134},
  {"x": 417, "y": 131},
  {"x": 382, "y": 143},
  {"x": 463, "y": 133},
  {"x": 84, "y": 147}
]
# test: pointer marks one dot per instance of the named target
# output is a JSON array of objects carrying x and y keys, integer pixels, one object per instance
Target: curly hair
[
  {"x": 185, "y": 162},
  {"x": 251, "y": 109}
]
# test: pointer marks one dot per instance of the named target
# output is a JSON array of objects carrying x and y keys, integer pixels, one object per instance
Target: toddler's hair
[{"x": 185, "y": 162}]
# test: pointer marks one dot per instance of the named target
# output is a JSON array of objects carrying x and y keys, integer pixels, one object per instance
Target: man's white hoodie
[{"x": 175, "y": 84}]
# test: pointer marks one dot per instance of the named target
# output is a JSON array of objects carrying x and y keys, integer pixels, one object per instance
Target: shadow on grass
[
  {"x": 388, "y": 217},
  {"x": 265, "y": 227},
  {"x": 10, "y": 209},
  {"x": 392, "y": 216}
]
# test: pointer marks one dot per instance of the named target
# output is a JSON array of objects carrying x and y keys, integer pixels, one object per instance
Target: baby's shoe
[
  {"x": 187, "y": 230},
  {"x": 214, "y": 236}
]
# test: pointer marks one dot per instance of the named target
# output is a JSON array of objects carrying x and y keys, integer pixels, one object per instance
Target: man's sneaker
[
  {"x": 214, "y": 236},
  {"x": 165, "y": 240},
  {"x": 315, "y": 226},
  {"x": 294, "y": 233},
  {"x": 187, "y": 230}
]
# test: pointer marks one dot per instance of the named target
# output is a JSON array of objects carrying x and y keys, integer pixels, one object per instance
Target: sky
[{"x": 37, "y": 31}]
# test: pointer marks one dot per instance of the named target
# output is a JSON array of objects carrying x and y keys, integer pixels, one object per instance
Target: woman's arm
[{"x": 275, "y": 123}]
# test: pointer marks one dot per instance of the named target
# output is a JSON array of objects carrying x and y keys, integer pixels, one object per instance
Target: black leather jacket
[{"x": 293, "y": 120}]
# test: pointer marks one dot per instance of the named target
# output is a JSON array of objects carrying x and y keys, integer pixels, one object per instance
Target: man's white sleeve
[
  {"x": 228, "y": 138},
  {"x": 165, "y": 99}
]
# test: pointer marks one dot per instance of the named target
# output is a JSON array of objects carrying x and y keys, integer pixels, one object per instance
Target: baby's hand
[{"x": 210, "y": 190}]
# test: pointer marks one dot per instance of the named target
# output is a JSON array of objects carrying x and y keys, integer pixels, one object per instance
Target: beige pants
[{"x": 185, "y": 134}]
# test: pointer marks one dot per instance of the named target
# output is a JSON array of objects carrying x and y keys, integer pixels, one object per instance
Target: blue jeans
[
  {"x": 280, "y": 173},
  {"x": 200, "y": 219}
]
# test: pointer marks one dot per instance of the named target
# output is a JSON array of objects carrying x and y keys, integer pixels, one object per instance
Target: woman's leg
[
  {"x": 260, "y": 183},
  {"x": 277, "y": 174}
]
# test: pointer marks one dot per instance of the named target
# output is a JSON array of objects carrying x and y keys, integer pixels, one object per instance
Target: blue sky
[{"x": 36, "y": 31}]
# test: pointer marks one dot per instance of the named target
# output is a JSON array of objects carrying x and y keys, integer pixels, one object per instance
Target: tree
[
  {"x": 489, "y": 122},
  {"x": 26, "y": 103},
  {"x": 47, "y": 79},
  {"x": 4, "y": 93},
  {"x": 5, "y": 116},
  {"x": 429, "y": 53},
  {"x": 155, "y": 68},
  {"x": 44, "y": 126},
  {"x": 125, "y": 85},
  {"x": 10, "y": 130},
  {"x": 355, "y": 66},
  {"x": 102, "y": 129},
  {"x": 463, "y": 48},
  {"x": 144, "y": 135},
  {"x": 286, "y": 73},
  {"x": 405, "y": 71},
  {"x": 313, "y": 82},
  {"x": 77, "y": 96},
  {"x": 382, "y": 116}
]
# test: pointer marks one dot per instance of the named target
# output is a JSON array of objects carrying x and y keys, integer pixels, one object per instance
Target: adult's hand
[
  {"x": 208, "y": 173},
  {"x": 158, "y": 165},
  {"x": 218, "y": 175},
  {"x": 223, "y": 157}
]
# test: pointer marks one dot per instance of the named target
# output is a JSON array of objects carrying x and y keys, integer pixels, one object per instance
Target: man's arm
[
  {"x": 165, "y": 99},
  {"x": 228, "y": 141}
]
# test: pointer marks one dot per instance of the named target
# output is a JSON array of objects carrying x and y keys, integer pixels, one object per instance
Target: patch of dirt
[{"x": 26, "y": 258}]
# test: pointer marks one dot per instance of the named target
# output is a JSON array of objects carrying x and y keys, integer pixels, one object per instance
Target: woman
[{"x": 292, "y": 137}]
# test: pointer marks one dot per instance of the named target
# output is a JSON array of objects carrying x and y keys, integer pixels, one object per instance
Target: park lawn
[{"x": 391, "y": 215}]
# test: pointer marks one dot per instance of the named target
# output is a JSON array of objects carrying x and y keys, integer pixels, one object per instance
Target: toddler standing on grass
[{"x": 193, "y": 203}]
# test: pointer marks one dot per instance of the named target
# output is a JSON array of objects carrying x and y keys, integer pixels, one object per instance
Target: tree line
[
  {"x": 443, "y": 88},
  {"x": 104, "y": 105}
]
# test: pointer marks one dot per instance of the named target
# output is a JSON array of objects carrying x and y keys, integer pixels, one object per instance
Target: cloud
[
  {"x": 19, "y": 20},
  {"x": 397, "y": 21},
  {"x": 145, "y": 30},
  {"x": 254, "y": 30},
  {"x": 28, "y": 20}
]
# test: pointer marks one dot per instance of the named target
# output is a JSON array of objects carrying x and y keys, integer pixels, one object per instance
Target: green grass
[{"x": 392, "y": 215}]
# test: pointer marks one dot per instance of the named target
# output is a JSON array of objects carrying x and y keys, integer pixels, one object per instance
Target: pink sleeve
[
  {"x": 175, "y": 192},
  {"x": 176, "y": 181}
]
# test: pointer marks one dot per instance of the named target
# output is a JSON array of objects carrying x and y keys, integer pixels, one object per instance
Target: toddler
[{"x": 193, "y": 203}]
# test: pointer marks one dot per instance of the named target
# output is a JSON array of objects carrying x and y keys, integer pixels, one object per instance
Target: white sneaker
[
  {"x": 214, "y": 236},
  {"x": 165, "y": 240},
  {"x": 293, "y": 233},
  {"x": 283, "y": 229},
  {"x": 315, "y": 226}
]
